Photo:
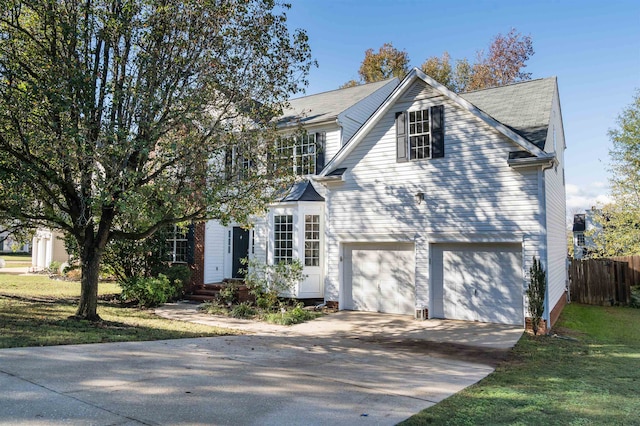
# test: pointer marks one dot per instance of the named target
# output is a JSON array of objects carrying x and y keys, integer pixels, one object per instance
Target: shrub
[
  {"x": 54, "y": 267},
  {"x": 180, "y": 273},
  {"x": 536, "y": 292},
  {"x": 295, "y": 315},
  {"x": 269, "y": 282},
  {"x": 635, "y": 297},
  {"x": 243, "y": 310},
  {"x": 214, "y": 308},
  {"x": 150, "y": 292},
  {"x": 228, "y": 294}
]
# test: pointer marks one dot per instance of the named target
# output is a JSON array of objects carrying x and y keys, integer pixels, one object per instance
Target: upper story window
[
  {"x": 237, "y": 165},
  {"x": 304, "y": 153},
  {"x": 580, "y": 239},
  {"x": 420, "y": 134}
]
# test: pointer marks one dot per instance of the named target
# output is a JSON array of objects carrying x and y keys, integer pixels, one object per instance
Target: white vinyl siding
[
  {"x": 556, "y": 263},
  {"x": 471, "y": 191}
]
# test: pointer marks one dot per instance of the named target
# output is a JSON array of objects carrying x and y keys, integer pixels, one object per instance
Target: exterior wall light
[{"x": 419, "y": 197}]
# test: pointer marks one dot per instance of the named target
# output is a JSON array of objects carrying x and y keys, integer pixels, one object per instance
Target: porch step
[{"x": 208, "y": 292}]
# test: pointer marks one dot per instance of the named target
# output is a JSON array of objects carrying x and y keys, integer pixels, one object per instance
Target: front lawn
[
  {"x": 589, "y": 374},
  {"x": 13, "y": 260},
  {"x": 35, "y": 310}
]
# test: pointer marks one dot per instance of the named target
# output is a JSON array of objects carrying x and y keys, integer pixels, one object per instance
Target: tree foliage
[
  {"x": 620, "y": 220},
  {"x": 116, "y": 116},
  {"x": 502, "y": 64},
  {"x": 377, "y": 66}
]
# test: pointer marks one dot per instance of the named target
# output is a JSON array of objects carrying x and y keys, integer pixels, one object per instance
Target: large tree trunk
[{"x": 90, "y": 260}]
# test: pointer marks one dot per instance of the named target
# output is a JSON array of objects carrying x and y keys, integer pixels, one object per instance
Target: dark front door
[{"x": 240, "y": 251}]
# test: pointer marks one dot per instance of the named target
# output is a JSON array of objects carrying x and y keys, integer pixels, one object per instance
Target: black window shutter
[
  {"x": 437, "y": 131},
  {"x": 321, "y": 138},
  {"x": 191, "y": 244},
  {"x": 401, "y": 137},
  {"x": 228, "y": 163}
]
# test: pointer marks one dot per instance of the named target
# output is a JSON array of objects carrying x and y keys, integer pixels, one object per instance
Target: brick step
[{"x": 199, "y": 298}]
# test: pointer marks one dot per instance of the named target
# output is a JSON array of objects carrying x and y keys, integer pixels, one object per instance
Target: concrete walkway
[
  {"x": 343, "y": 369},
  {"x": 355, "y": 324}
]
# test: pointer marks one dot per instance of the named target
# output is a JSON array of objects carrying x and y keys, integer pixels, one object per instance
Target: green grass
[
  {"x": 35, "y": 311},
  {"x": 16, "y": 260},
  {"x": 590, "y": 375}
]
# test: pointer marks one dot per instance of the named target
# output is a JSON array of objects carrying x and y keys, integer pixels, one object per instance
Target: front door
[{"x": 240, "y": 251}]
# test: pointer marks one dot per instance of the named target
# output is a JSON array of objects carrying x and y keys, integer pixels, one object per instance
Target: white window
[
  {"x": 300, "y": 153},
  {"x": 283, "y": 238},
  {"x": 312, "y": 240},
  {"x": 419, "y": 135},
  {"x": 178, "y": 244},
  {"x": 580, "y": 239}
]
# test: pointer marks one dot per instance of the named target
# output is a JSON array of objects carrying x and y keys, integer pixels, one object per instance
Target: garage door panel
[
  {"x": 480, "y": 282},
  {"x": 379, "y": 277}
]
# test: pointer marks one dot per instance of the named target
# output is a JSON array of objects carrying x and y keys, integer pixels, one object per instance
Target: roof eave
[{"x": 545, "y": 160}]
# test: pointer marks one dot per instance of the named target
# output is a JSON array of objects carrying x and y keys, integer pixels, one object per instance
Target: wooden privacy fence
[{"x": 601, "y": 281}]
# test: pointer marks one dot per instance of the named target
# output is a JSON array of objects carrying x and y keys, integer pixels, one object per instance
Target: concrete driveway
[{"x": 346, "y": 368}]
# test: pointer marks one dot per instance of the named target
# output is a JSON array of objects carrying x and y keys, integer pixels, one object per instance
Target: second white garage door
[
  {"x": 379, "y": 277},
  {"x": 478, "y": 282}
]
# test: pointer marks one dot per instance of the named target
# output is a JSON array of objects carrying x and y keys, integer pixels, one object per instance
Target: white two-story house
[{"x": 428, "y": 202}]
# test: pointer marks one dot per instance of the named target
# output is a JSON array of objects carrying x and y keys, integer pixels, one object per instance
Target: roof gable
[
  {"x": 327, "y": 106},
  {"x": 399, "y": 92}
]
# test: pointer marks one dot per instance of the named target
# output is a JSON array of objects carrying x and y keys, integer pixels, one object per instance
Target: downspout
[{"x": 543, "y": 208}]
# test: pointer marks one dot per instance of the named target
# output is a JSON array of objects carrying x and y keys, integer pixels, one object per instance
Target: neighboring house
[
  {"x": 9, "y": 244},
  {"x": 584, "y": 228},
  {"x": 430, "y": 203},
  {"x": 48, "y": 246}
]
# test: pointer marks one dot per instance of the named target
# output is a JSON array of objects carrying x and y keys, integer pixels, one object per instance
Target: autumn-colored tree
[
  {"x": 377, "y": 66},
  {"x": 439, "y": 69},
  {"x": 116, "y": 116},
  {"x": 350, "y": 83},
  {"x": 503, "y": 64},
  {"x": 620, "y": 220}
]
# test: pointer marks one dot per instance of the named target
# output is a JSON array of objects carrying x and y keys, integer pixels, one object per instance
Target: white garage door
[
  {"x": 379, "y": 277},
  {"x": 478, "y": 282}
]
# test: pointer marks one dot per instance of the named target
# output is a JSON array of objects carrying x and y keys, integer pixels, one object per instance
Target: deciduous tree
[
  {"x": 377, "y": 66},
  {"x": 620, "y": 220},
  {"x": 116, "y": 116},
  {"x": 502, "y": 64}
]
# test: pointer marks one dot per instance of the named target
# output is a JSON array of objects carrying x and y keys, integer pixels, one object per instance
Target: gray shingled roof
[
  {"x": 302, "y": 191},
  {"x": 524, "y": 107},
  {"x": 326, "y": 106}
]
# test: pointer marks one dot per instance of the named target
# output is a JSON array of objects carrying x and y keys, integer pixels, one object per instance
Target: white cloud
[{"x": 582, "y": 197}]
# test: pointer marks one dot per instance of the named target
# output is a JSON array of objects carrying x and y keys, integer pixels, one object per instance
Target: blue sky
[{"x": 593, "y": 47}]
